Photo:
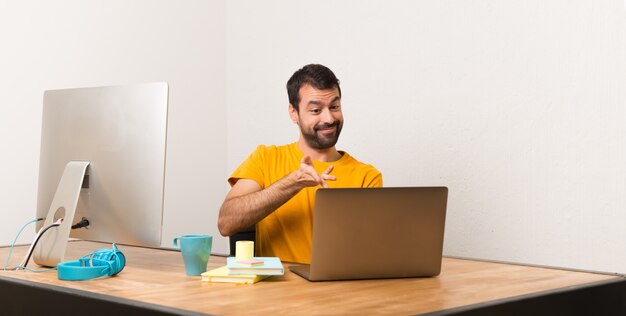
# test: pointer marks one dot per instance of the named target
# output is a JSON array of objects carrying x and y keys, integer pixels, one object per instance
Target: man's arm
[{"x": 246, "y": 203}]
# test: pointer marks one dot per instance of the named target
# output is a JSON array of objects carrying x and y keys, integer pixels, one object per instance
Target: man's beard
[{"x": 322, "y": 142}]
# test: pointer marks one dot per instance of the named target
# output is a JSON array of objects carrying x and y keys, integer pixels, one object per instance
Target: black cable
[
  {"x": 37, "y": 240},
  {"x": 84, "y": 222},
  {"x": 15, "y": 240}
]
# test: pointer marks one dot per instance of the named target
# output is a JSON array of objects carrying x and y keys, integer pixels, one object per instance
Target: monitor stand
[{"x": 50, "y": 249}]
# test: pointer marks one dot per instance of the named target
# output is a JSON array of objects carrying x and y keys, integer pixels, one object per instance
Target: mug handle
[{"x": 175, "y": 243}]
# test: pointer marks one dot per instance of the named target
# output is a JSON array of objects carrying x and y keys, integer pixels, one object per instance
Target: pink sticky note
[{"x": 251, "y": 262}]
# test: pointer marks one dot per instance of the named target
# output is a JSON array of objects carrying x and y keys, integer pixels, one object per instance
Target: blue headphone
[{"x": 93, "y": 265}]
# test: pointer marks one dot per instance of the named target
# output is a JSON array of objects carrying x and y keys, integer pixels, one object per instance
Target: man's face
[{"x": 320, "y": 118}]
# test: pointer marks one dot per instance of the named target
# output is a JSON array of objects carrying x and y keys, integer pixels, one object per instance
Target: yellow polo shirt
[{"x": 286, "y": 233}]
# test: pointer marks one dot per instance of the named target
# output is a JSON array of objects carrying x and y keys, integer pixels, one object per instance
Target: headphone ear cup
[
  {"x": 119, "y": 261},
  {"x": 114, "y": 257}
]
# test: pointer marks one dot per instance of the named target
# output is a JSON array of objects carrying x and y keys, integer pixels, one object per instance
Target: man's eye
[
  {"x": 335, "y": 107},
  {"x": 316, "y": 111}
]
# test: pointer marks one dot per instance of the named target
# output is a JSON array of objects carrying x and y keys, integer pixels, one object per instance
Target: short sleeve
[
  {"x": 251, "y": 168},
  {"x": 373, "y": 179}
]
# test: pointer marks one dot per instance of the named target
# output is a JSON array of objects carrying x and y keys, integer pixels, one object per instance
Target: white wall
[
  {"x": 516, "y": 106},
  {"x": 65, "y": 44}
]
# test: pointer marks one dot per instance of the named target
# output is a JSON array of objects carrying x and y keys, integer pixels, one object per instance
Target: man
[{"x": 275, "y": 187}]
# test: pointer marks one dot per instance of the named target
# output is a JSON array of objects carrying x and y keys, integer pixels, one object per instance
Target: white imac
[{"x": 103, "y": 153}]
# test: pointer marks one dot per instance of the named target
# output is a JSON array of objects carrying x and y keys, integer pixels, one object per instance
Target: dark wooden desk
[{"x": 154, "y": 282}]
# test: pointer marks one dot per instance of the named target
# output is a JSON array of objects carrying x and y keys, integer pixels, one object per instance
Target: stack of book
[{"x": 247, "y": 271}]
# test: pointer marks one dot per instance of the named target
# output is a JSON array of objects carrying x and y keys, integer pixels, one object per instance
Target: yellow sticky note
[{"x": 244, "y": 250}]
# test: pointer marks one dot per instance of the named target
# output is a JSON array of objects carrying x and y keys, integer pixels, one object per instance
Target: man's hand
[
  {"x": 246, "y": 203},
  {"x": 308, "y": 177}
]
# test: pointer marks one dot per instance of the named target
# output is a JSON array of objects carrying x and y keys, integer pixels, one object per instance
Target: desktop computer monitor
[{"x": 103, "y": 153}]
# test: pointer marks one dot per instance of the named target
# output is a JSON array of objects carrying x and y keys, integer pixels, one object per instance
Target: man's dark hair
[{"x": 318, "y": 76}]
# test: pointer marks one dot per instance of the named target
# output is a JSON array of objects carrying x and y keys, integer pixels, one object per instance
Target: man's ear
[{"x": 293, "y": 113}]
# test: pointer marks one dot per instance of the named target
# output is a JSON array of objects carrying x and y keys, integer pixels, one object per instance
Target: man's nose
[{"x": 327, "y": 116}]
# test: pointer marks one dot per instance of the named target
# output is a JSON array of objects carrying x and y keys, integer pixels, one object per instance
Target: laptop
[{"x": 373, "y": 233}]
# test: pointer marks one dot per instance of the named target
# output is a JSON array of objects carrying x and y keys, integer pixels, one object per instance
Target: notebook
[
  {"x": 371, "y": 233},
  {"x": 221, "y": 275},
  {"x": 268, "y": 266}
]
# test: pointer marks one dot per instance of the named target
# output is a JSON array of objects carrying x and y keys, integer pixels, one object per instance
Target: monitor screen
[{"x": 119, "y": 134}]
